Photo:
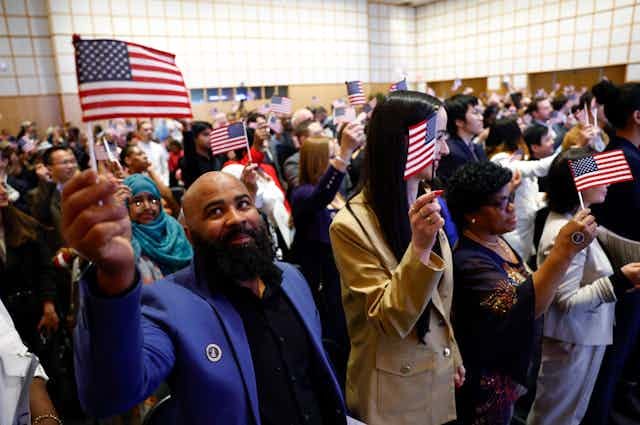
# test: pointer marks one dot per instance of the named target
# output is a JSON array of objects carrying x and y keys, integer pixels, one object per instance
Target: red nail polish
[{"x": 437, "y": 193}]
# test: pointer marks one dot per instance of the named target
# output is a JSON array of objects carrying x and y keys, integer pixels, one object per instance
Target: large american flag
[
  {"x": 400, "y": 85},
  {"x": 422, "y": 143},
  {"x": 355, "y": 93},
  {"x": 281, "y": 104},
  {"x": 120, "y": 79},
  {"x": 600, "y": 169},
  {"x": 228, "y": 138}
]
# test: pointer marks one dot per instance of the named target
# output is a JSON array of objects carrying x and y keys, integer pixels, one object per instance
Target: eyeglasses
[
  {"x": 504, "y": 201},
  {"x": 139, "y": 201}
]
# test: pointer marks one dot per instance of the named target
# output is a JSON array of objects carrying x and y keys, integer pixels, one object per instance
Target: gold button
[
  {"x": 405, "y": 369},
  {"x": 446, "y": 352}
]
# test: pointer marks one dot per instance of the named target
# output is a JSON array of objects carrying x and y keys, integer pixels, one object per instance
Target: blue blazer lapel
[
  {"x": 234, "y": 330},
  {"x": 295, "y": 287}
]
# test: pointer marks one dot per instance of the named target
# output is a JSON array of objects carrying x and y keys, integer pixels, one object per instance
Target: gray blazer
[{"x": 582, "y": 311}]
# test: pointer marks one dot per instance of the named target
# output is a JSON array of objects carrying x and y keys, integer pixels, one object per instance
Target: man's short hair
[
  {"x": 302, "y": 129},
  {"x": 456, "y": 107},
  {"x": 126, "y": 151},
  {"x": 534, "y": 133},
  {"x": 46, "y": 156},
  {"x": 533, "y": 106},
  {"x": 198, "y": 127},
  {"x": 559, "y": 102}
]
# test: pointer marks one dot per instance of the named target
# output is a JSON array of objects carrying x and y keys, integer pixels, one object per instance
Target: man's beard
[{"x": 225, "y": 264}]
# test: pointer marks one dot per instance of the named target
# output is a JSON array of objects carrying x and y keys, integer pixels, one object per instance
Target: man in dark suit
[
  {"x": 44, "y": 200},
  {"x": 464, "y": 122}
]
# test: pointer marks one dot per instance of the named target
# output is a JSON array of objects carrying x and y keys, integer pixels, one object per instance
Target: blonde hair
[{"x": 314, "y": 159}]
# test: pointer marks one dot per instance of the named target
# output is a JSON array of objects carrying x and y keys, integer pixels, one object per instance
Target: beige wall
[{"x": 44, "y": 110}]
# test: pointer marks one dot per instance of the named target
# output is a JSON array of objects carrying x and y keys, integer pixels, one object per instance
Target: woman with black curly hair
[{"x": 496, "y": 298}]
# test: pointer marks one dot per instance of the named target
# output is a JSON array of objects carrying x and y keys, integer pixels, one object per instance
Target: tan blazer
[{"x": 392, "y": 377}]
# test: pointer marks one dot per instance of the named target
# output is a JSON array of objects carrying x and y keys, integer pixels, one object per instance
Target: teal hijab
[{"x": 163, "y": 240}]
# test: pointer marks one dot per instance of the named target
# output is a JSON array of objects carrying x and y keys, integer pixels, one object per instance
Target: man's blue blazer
[{"x": 125, "y": 346}]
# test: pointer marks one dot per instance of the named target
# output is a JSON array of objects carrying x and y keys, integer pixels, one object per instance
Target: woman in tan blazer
[{"x": 395, "y": 268}]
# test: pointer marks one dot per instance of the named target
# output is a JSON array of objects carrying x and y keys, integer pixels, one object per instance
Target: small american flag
[
  {"x": 120, "y": 79},
  {"x": 228, "y": 138},
  {"x": 355, "y": 93},
  {"x": 422, "y": 145},
  {"x": 264, "y": 109},
  {"x": 344, "y": 114},
  {"x": 400, "y": 85},
  {"x": 281, "y": 104},
  {"x": 275, "y": 124},
  {"x": 600, "y": 169}
]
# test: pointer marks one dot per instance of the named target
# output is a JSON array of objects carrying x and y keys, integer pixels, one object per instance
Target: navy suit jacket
[
  {"x": 459, "y": 154},
  {"x": 125, "y": 346}
]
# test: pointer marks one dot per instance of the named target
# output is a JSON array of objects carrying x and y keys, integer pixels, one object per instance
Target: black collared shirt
[{"x": 287, "y": 376}]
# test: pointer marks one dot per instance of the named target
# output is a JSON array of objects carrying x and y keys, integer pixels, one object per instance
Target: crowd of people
[{"x": 308, "y": 279}]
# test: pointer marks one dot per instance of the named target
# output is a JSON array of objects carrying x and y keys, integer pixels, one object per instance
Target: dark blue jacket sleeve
[
  {"x": 120, "y": 356},
  {"x": 307, "y": 198}
]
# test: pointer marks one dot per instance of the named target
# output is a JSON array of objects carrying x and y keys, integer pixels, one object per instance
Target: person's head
[
  {"x": 174, "y": 146},
  {"x": 314, "y": 159},
  {"x": 18, "y": 227},
  {"x": 540, "y": 109},
  {"x": 229, "y": 238},
  {"x": 490, "y": 115},
  {"x": 480, "y": 199},
  {"x": 300, "y": 116},
  {"x": 560, "y": 102},
  {"x": 135, "y": 159},
  {"x": 539, "y": 141},
  {"x": 385, "y": 159},
  {"x": 504, "y": 136},
  {"x": 145, "y": 203},
  {"x": 145, "y": 130},
  {"x": 304, "y": 130},
  {"x": 258, "y": 129},
  {"x": 320, "y": 114},
  {"x": 621, "y": 103},
  {"x": 562, "y": 195},
  {"x": 219, "y": 120},
  {"x": 464, "y": 118},
  {"x": 61, "y": 163},
  {"x": 201, "y": 131}
]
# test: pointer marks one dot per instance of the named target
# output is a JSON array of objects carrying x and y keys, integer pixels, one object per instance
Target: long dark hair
[
  {"x": 382, "y": 181},
  {"x": 562, "y": 195},
  {"x": 504, "y": 136}
]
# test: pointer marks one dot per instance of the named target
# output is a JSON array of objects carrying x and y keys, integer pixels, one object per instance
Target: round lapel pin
[{"x": 214, "y": 352}]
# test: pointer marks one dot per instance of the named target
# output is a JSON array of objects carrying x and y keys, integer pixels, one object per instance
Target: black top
[
  {"x": 621, "y": 209},
  {"x": 494, "y": 312},
  {"x": 289, "y": 388},
  {"x": 194, "y": 165}
]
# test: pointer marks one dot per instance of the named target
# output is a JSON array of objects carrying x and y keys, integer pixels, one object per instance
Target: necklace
[
  {"x": 483, "y": 241},
  {"x": 500, "y": 246}
]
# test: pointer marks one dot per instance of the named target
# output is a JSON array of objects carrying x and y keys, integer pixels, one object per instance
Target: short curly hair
[{"x": 471, "y": 187}]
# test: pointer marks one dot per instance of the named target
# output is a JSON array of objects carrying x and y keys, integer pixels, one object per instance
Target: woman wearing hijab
[{"x": 159, "y": 241}]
